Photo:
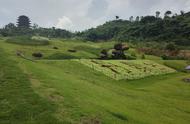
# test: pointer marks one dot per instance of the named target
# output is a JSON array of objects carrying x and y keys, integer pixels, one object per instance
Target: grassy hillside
[
  {"x": 66, "y": 91},
  {"x": 82, "y": 49},
  {"x": 19, "y": 103},
  {"x": 26, "y": 40},
  {"x": 85, "y": 95}
]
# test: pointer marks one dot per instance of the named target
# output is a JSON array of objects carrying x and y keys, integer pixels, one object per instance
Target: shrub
[
  {"x": 104, "y": 54},
  {"x": 55, "y": 48},
  {"x": 118, "y": 46},
  {"x": 37, "y": 55},
  {"x": 117, "y": 54},
  {"x": 72, "y": 51},
  {"x": 121, "y": 47}
]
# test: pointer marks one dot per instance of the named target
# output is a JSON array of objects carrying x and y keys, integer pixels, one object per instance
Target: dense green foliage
[
  {"x": 52, "y": 32},
  {"x": 12, "y": 30},
  {"x": 150, "y": 28}
]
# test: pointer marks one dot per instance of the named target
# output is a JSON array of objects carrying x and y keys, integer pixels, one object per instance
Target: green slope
[
  {"x": 66, "y": 91},
  {"x": 83, "y": 94},
  {"x": 19, "y": 104}
]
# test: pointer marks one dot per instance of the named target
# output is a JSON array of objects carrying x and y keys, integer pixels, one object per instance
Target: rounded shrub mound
[
  {"x": 27, "y": 40},
  {"x": 37, "y": 55}
]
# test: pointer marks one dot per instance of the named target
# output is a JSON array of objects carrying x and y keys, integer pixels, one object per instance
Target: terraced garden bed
[{"x": 124, "y": 69}]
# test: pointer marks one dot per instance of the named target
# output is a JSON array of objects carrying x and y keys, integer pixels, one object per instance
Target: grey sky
[{"x": 82, "y": 14}]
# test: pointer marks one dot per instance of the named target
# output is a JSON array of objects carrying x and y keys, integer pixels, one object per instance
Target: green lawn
[
  {"x": 86, "y": 94},
  {"x": 19, "y": 104},
  {"x": 83, "y": 49},
  {"x": 65, "y": 91}
]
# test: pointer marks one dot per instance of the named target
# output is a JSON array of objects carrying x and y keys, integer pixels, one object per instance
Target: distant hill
[{"x": 174, "y": 28}]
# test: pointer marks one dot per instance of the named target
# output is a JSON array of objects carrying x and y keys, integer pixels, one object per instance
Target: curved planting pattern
[{"x": 124, "y": 69}]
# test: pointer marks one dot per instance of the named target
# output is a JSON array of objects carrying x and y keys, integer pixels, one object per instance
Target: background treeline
[
  {"x": 45, "y": 32},
  {"x": 171, "y": 28},
  {"x": 23, "y": 27}
]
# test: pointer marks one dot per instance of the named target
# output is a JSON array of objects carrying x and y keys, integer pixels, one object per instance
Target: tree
[
  {"x": 9, "y": 30},
  {"x": 157, "y": 14},
  {"x": 23, "y": 22},
  {"x": 10, "y": 26},
  {"x": 131, "y": 19},
  {"x": 119, "y": 51},
  {"x": 148, "y": 19},
  {"x": 137, "y": 19},
  {"x": 182, "y": 12},
  {"x": 175, "y": 15},
  {"x": 35, "y": 26},
  {"x": 117, "y": 17},
  {"x": 167, "y": 14}
]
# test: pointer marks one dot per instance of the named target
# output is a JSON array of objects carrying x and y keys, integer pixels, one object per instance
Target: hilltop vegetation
[
  {"x": 24, "y": 28},
  {"x": 174, "y": 28},
  {"x": 171, "y": 28}
]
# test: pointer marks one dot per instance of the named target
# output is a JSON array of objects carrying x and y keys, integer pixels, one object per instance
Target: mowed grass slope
[
  {"x": 19, "y": 104},
  {"x": 83, "y": 49},
  {"x": 69, "y": 92},
  {"x": 89, "y": 95}
]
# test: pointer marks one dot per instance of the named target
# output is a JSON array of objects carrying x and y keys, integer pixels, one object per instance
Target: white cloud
[{"x": 64, "y": 23}]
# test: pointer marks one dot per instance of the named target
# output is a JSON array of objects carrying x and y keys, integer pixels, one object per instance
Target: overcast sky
[{"x": 83, "y": 14}]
